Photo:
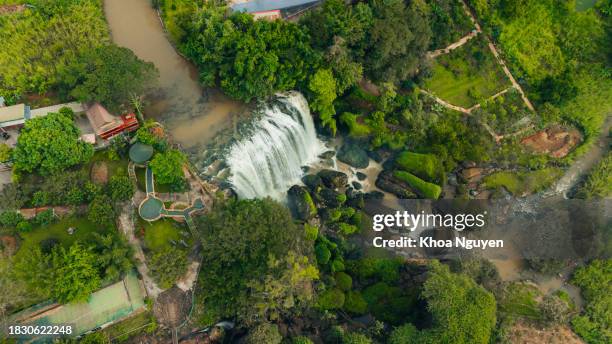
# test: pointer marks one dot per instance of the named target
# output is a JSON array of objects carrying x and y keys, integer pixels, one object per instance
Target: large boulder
[
  {"x": 353, "y": 155},
  {"x": 333, "y": 179},
  {"x": 312, "y": 181},
  {"x": 301, "y": 204},
  {"x": 387, "y": 182},
  {"x": 330, "y": 198}
]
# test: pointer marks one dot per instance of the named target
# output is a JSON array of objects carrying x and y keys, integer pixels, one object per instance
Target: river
[{"x": 191, "y": 114}]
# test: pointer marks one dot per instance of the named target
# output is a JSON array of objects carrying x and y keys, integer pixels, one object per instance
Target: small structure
[
  {"x": 273, "y": 9},
  {"x": 140, "y": 153},
  {"x": 106, "y": 125},
  {"x": 15, "y": 115}
]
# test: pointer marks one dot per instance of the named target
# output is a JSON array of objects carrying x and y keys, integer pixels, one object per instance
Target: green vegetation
[
  {"x": 448, "y": 22},
  {"x": 595, "y": 281},
  {"x": 143, "y": 322},
  {"x": 258, "y": 262},
  {"x": 107, "y": 74},
  {"x": 36, "y": 152},
  {"x": 425, "y": 166},
  {"x": 521, "y": 183},
  {"x": 40, "y": 42},
  {"x": 168, "y": 168},
  {"x": 467, "y": 76},
  {"x": 423, "y": 188},
  {"x": 519, "y": 300},
  {"x": 323, "y": 86},
  {"x": 599, "y": 182},
  {"x": 168, "y": 265},
  {"x": 158, "y": 234}
]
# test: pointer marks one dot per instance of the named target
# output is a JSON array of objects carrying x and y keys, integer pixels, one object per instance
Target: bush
[
  {"x": 101, "y": 211},
  {"x": 24, "y": 226},
  {"x": 331, "y": 299},
  {"x": 599, "y": 182},
  {"x": 355, "y": 303},
  {"x": 347, "y": 229},
  {"x": 425, "y": 166},
  {"x": 554, "y": 310},
  {"x": 356, "y": 129},
  {"x": 311, "y": 232},
  {"x": 323, "y": 253},
  {"x": 405, "y": 334},
  {"x": 356, "y": 338},
  {"x": 120, "y": 188},
  {"x": 301, "y": 340},
  {"x": 167, "y": 266},
  {"x": 10, "y": 218},
  {"x": 343, "y": 281},
  {"x": 423, "y": 188},
  {"x": 386, "y": 270},
  {"x": 44, "y": 218},
  {"x": 337, "y": 265},
  {"x": 264, "y": 333}
]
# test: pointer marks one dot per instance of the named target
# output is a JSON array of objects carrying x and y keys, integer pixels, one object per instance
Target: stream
[{"x": 191, "y": 114}]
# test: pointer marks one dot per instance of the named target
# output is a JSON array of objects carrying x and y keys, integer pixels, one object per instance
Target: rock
[
  {"x": 379, "y": 155},
  {"x": 472, "y": 174},
  {"x": 301, "y": 204},
  {"x": 374, "y": 195},
  {"x": 387, "y": 182},
  {"x": 486, "y": 194},
  {"x": 353, "y": 155},
  {"x": 327, "y": 155},
  {"x": 305, "y": 169},
  {"x": 333, "y": 179},
  {"x": 313, "y": 181},
  {"x": 361, "y": 176},
  {"x": 329, "y": 198},
  {"x": 357, "y": 185},
  {"x": 468, "y": 164}
]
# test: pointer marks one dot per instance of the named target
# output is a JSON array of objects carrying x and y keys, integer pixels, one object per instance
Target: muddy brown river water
[{"x": 193, "y": 115}]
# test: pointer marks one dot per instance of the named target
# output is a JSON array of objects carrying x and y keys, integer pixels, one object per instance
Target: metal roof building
[
  {"x": 271, "y": 6},
  {"x": 14, "y": 115}
]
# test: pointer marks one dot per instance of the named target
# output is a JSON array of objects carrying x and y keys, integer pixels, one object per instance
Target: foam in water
[{"x": 270, "y": 160}]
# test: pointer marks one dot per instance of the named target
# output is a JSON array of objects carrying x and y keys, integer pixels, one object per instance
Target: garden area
[{"x": 467, "y": 75}]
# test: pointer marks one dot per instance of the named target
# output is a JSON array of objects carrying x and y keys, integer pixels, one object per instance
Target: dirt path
[
  {"x": 445, "y": 103},
  {"x": 127, "y": 226},
  {"x": 584, "y": 164},
  {"x": 460, "y": 42}
]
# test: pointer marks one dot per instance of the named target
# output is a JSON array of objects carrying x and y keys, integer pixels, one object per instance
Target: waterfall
[{"x": 283, "y": 140}]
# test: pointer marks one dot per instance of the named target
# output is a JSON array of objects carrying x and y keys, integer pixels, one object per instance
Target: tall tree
[
  {"x": 323, "y": 87},
  {"x": 168, "y": 167},
  {"x": 397, "y": 41},
  {"x": 50, "y": 144},
  {"x": 258, "y": 262},
  {"x": 110, "y": 75}
]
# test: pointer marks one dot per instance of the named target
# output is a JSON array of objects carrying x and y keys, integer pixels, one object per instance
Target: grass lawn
[
  {"x": 58, "y": 230},
  {"x": 520, "y": 183},
  {"x": 135, "y": 325},
  {"x": 520, "y": 300},
  {"x": 467, "y": 76},
  {"x": 159, "y": 233}
]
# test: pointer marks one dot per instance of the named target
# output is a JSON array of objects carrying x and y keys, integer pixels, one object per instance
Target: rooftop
[
  {"x": 12, "y": 113},
  {"x": 268, "y": 5}
]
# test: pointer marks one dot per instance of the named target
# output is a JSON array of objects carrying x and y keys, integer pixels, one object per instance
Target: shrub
[
  {"x": 44, "y": 218},
  {"x": 355, "y": 303},
  {"x": 423, "y": 188},
  {"x": 356, "y": 338},
  {"x": 554, "y": 310},
  {"x": 386, "y": 270},
  {"x": 323, "y": 253},
  {"x": 168, "y": 265},
  {"x": 120, "y": 188},
  {"x": 311, "y": 232},
  {"x": 337, "y": 265},
  {"x": 24, "y": 226},
  {"x": 425, "y": 166},
  {"x": 301, "y": 340},
  {"x": 356, "y": 129},
  {"x": 343, "y": 281},
  {"x": 405, "y": 334},
  {"x": 347, "y": 229},
  {"x": 264, "y": 333},
  {"x": 10, "y": 218},
  {"x": 101, "y": 211},
  {"x": 331, "y": 299}
]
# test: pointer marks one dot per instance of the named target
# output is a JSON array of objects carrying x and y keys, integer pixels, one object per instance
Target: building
[
  {"x": 106, "y": 125},
  {"x": 15, "y": 115},
  {"x": 273, "y": 9}
]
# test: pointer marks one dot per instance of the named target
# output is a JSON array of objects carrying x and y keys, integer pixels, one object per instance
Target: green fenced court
[{"x": 105, "y": 306}]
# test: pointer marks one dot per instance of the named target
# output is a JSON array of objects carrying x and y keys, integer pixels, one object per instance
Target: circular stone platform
[
  {"x": 140, "y": 153},
  {"x": 150, "y": 209}
]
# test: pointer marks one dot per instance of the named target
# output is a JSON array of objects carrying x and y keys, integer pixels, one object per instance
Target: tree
[
  {"x": 110, "y": 75},
  {"x": 5, "y": 152},
  {"x": 323, "y": 86},
  {"x": 49, "y": 145},
  {"x": 248, "y": 58},
  {"x": 346, "y": 71},
  {"x": 168, "y": 265},
  {"x": 101, "y": 211},
  {"x": 168, "y": 167},
  {"x": 75, "y": 273},
  {"x": 114, "y": 255},
  {"x": 264, "y": 333},
  {"x": 120, "y": 188},
  {"x": 405, "y": 334},
  {"x": 258, "y": 261},
  {"x": 13, "y": 290},
  {"x": 397, "y": 41},
  {"x": 462, "y": 311}
]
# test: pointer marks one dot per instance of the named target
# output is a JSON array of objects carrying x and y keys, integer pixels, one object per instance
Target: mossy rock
[
  {"x": 300, "y": 203},
  {"x": 353, "y": 155}
]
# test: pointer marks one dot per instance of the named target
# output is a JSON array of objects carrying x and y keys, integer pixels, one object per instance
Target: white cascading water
[{"x": 283, "y": 140}]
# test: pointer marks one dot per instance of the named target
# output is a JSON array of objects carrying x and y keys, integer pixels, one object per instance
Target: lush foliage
[
  {"x": 599, "y": 182},
  {"x": 168, "y": 167},
  {"x": 50, "y": 144},
  {"x": 40, "y": 42},
  {"x": 595, "y": 281},
  {"x": 168, "y": 265},
  {"x": 109, "y": 74},
  {"x": 423, "y": 188},
  {"x": 257, "y": 260}
]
